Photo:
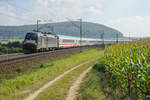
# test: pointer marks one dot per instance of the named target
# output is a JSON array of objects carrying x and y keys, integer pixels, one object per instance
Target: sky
[{"x": 128, "y": 16}]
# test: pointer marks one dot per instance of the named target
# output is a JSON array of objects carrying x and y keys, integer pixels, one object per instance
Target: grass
[
  {"x": 96, "y": 86},
  {"x": 60, "y": 89},
  {"x": 21, "y": 86}
]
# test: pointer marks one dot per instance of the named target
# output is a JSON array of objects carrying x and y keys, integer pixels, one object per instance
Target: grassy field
[
  {"x": 21, "y": 86},
  {"x": 60, "y": 89},
  {"x": 96, "y": 86}
]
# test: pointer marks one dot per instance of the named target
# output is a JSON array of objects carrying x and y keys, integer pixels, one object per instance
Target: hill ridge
[{"x": 90, "y": 30}]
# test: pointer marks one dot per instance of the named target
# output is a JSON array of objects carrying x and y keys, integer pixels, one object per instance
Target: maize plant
[{"x": 128, "y": 65}]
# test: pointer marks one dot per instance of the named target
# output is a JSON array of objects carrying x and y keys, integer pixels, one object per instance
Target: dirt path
[
  {"x": 75, "y": 87},
  {"x": 36, "y": 93}
]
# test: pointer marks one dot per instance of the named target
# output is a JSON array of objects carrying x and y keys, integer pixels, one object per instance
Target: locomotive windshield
[{"x": 31, "y": 36}]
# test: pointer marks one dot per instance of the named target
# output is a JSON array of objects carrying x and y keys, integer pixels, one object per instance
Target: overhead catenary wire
[
  {"x": 44, "y": 25},
  {"x": 73, "y": 23},
  {"x": 77, "y": 26}
]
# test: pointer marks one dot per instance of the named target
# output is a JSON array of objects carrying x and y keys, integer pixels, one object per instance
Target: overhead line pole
[
  {"x": 38, "y": 25},
  {"x": 81, "y": 30},
  {"x": 38, "y": 28},
  {"x": 117, "y": 38},
  {"x": 129, "y": 37},
  {"x": 102, "y": 37},
  {"x": 80, "y": 34}
]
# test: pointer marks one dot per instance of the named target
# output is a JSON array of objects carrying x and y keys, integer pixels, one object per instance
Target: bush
[
  {"x": 11, "y": 47},
  {"x": 100, "y": 67},
  {"x": 42, "y": 66},
  {"x": 15, "y": 44},
  {"x": 19, "y": 70}
]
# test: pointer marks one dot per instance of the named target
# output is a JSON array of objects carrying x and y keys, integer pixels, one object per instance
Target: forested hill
[{"x": 91, "y": 30}]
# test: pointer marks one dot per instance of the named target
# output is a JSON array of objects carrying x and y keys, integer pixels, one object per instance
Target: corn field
[{"x": 128, "y": 65}]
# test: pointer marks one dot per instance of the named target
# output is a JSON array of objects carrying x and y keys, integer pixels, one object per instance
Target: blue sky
[
  {"x": 126, "y": 8},
  {"x": 128, "y": 16}
]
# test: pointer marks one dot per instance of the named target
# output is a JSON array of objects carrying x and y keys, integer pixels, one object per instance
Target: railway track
[
  {"x": 8, "y": 62},
  {"x": 11, "y": 58}
]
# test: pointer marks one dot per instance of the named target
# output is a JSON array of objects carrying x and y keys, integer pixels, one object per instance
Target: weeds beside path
[{"x": 92, "y": 86}]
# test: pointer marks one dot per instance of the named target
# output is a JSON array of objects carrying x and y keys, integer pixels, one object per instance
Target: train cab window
[{"x": 31, "y": 36}]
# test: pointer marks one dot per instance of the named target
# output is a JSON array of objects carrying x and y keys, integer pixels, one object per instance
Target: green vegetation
[
  {"x": 60, "y": 89},
  {"x": 11, "y": 47},
  {"x": 16, "y": 40},
  {"x": 21, "y": 86},
  {"x": 91, "y": 87},
  {"x": 97, "y": 86},
  {"x": 128, "y": 65}
]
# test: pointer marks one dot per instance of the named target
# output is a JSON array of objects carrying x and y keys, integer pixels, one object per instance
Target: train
[{"x": 39, "y": 41}]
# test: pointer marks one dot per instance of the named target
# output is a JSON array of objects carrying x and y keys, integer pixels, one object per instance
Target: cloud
[
  {"x": 5, "y": 0},
  {"x": 137, "y": 26},
  {"x": 60, "y": 9},
  {"x": 7, "y": 15},
  {"x": 56, "y": 10}
]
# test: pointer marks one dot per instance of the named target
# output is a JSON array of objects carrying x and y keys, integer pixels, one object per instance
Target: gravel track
[
  {"x": 76, "y": 86},
  {"x": 36, "y": 93}
]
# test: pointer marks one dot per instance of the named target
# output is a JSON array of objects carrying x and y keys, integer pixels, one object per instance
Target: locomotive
[{"x": 38, "y": 41}]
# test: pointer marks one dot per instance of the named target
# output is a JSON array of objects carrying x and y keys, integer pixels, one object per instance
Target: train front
[{"x": 30, "y": 43}]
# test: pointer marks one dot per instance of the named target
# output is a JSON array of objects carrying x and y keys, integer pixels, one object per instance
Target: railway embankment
[
  {"x": 30, "y": 81},
  {"x": 19, "y": 61}
]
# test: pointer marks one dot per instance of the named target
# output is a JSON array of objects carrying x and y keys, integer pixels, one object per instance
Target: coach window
[{"x": 66, "y": 40}]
